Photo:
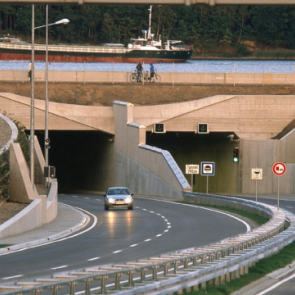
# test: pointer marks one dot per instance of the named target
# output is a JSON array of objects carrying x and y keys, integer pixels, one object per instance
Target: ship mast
[{"x": 149, "y": 37}]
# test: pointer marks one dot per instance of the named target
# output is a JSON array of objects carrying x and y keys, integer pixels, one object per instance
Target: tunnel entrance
[
  {"x": 82, "y": 159},
  {"x": 192, "y": 148}
]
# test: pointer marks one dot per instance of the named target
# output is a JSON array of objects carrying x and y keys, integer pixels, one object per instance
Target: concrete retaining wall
[
  {"x": 172, "y": 77},
  {"x": 146, "y": 171},
  {"x": 41, "y": 209},
  {"x": 255, "y": 153},
  {"x": 29, "y": 218}
]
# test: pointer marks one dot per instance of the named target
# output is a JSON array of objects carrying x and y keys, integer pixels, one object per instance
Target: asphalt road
[{"x": 116, "y": 236}]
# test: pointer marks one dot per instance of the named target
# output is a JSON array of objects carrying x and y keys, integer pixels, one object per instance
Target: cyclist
[
  {"x": 139, "y": 71},
  {"x": 152, "y": 73}
]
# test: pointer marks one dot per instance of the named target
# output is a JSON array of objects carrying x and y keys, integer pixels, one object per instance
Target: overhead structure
[{"x": 156, "y": 2}]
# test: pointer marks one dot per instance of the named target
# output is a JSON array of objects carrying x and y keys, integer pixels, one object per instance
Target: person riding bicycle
[
  {"x": 152, "y": 73},
  {"x": 139, "y": 71}
]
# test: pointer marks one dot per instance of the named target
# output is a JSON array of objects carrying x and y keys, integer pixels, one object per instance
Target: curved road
[{"x": 152, "y": 228}]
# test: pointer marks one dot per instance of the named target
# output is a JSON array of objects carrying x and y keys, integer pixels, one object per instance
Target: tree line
[{"x": 203, "y": 26}]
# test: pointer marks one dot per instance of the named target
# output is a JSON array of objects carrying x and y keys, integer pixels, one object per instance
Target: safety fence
[{"x": 187, "y": 269}]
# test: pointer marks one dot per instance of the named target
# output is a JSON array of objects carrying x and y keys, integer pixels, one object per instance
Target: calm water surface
[{"x": 192, "y": 66}]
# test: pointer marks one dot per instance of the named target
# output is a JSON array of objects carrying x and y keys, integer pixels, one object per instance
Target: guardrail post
[
  {"x": 242, "y": 269},
  {"x": 246, "y": 269},
  {"x": 195, "y": 260},
  {"x": 203, "y": 285},
  {"x": 87, "y": 286},
  {"x": 117, "y": 281},
  {"x": 103, "y": 284},
  {"x": 222, "y": 280},
  {"x": 72, "y": 288},
  {"x": 55, "y": 289},
  {"x": 142, "y": 277},
  {"x": 186, "y": 261},
  {"x": 166, "y": 265},
  {"x": 196, "y": 287},
  {"x": 227, "y": 277},
  {"x": 155, "y": 273},
  {"x": 130, "y": 278},
  {"x": 176, "y": 266}
]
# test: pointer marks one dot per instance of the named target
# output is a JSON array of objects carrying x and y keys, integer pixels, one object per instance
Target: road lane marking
[
  {"x": 94, "y": 258},
  {"x": 8, "y": 278},
  {"x": 60, "y": 239},
  {"x": 277, "y": 284},
  {"x": 59, "y": 267},
  {"x": 133, "y": 245},
  {"x": 118, "y": 251}
]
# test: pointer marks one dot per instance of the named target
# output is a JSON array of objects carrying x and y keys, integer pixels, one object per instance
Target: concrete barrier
[
  {"x": 14, "y": 133},
  {"x": 166, "y": 77},
  {"x": 41, "y": 209}
]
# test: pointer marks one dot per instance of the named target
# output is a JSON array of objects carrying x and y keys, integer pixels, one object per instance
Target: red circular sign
[{"x": 279, "y": 168}]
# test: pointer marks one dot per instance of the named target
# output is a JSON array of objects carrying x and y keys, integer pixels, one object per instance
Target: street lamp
[{"x": 32, "y": 127}]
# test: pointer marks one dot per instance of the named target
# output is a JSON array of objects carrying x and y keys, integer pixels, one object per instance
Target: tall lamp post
[{"x": 32, "y": 123}]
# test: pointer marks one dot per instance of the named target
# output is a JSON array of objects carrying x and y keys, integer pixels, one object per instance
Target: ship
[{"x": 142, "y": 49}]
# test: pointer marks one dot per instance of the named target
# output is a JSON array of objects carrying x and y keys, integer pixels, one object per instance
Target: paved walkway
[{"x": 67, "y": 221}]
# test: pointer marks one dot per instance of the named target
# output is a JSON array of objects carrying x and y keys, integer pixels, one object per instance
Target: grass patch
[
  {"x": 262, "y": 267},
  {"x": 275, "y": 54},
  {"x": 256, "y": 218},
  {"x": 4, "y": 246}
]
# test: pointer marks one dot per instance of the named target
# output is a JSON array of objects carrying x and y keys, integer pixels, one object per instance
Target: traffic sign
[
  {"x": 192, "y": 169},
  {"x": 207, "y": 168},
  {"x": 159, "y": 128},
  {"x": 203, "y": 128},
  {"x": 279, "y": 168},
  {"x": 256, "y": 174}
]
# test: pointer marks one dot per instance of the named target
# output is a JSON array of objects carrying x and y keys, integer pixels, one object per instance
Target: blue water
[{"x": 192, "y": 66}]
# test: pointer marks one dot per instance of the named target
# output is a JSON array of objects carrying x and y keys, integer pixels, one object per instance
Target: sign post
[
  {"x": 192, "y": 169},
  {"x": 208, "y": 169},
  {"x": 279, "y": 169},
  {"x": 256, "y": 174}
]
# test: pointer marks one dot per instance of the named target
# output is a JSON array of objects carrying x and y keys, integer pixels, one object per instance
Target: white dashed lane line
[
  {"x": 94, "y": 258},
  {"x": 8, "y": 278},
  {"x": 133, "y": 245},
  {"x": 59, "y": 267}
]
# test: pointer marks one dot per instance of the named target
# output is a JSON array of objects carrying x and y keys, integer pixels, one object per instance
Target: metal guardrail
[{"x": 190, "y": 268}]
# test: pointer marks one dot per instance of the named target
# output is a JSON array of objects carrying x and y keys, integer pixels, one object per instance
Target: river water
[{"x": 191, "y": 66}]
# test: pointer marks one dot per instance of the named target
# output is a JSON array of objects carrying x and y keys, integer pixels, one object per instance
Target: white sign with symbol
[
  {"x": 279, "y": 168},
  {"x": 192, "y": 169},
  {"x": 208, "y": 168},
  {"x": 256, "y": 174}
]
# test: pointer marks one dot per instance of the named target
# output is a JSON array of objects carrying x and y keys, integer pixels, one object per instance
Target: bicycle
[
  {"x": 133, "y": 76},
  {"x": 148, "y": 78}
]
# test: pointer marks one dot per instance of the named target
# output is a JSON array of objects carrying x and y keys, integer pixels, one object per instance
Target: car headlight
[
  {"x": 111, "y": 200},
  {"x": 128, "y": 200}
]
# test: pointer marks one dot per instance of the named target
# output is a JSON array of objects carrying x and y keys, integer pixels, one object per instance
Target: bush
[{"x": 4, "y": 160}]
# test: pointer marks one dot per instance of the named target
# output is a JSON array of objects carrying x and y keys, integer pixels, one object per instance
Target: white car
[{"x": 118, "y": 197}]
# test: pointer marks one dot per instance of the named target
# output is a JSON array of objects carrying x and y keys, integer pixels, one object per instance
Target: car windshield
[{"x": 118, "y": 191}]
